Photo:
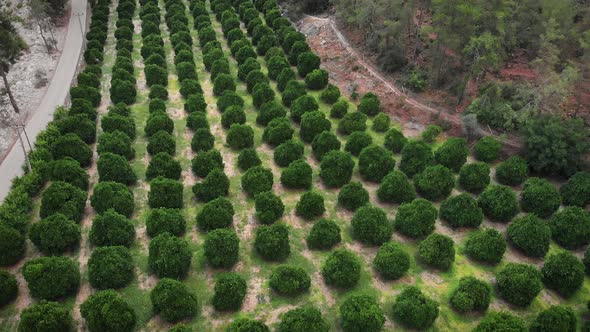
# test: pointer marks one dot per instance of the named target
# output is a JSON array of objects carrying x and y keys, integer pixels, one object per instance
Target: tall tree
[
  {"x": 39, "y": 13},
  {"x": 11, "y": 49}
]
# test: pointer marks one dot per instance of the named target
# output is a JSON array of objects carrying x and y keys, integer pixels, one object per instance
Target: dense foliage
[{"x": 414, "y": 310}]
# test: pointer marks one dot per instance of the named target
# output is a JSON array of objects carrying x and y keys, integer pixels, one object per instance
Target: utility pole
[
  {"x": 22, "y": 145},
  {"x": 80, "y": 22}
]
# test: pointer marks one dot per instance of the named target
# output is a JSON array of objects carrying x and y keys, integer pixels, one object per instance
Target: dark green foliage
[
  {"x": 202, "y": 140},
  {"x": 156, "y": 105},
  {"x": 123, "y": 92},
  {"x": 197, "y": 120},
  {"x": 501, "y": 321},
  {"x": 370, "y": 104},
  {"x": 158, "y": 122},
  {"x": 313, "y": 123},
  {"x": 293, "y": 90},
  {"x": 352, "y": 196},
  {"x": 414, "y": 310},
  {"x": 110, "y": 267},
  {"x": 330, "y": 95},
  {"x": 269, "y": 111},
  {"x": 339, "y": 109},
  {"x": 352, "y": 122},
  {"x": 278, "y": 131},
  {"x": 396, "y": 188},
  {"x": 215, "y": 184},
  {"x": 240, "y": 136},
  {"x": 556, "y": 318},
  {"x": 51, "y": 278},
  {"x": 307, "y": 62},
  {"x": 55, "y": 234},
  {"x": 155, "y": 74},
  {"x": 113, "y": 122},
  {"x": 107, "y": 311},
  {"x": 247, "y": 325},
  {"x": 285, "y": 76},
  {"x": 303, "y": 105},
  {"x": 289, "y": 280},
  {"x": 219, "y": 67},
  {"x": 391, "y": 261},
  {"x": 361, "y": 312},
  {"x": 45, "y": 316},
  {"x": 519, "y": 284},
  {"x": 298, "y": 175},
  {"x": 116, "y": 142},
  {"x": 169, "y": 256},
  {"x": 68, "y": 170},
  {"x": 431, "y": 133},
  {"x": 230, "y": 290},
  {"x": 12, "y": 245},
  {"x": 62, "y": 197},
  {"x": 452, "y": 153},
  {"x": 275, "y": 65},
  {"x": 416, "y": 218},
  {"x": 310, "y": 205},
  {"x": 342, "y": 269},
  {"x": 70, "y": 145},
  {"x": 530, "y": 235},
  {"x": 304, "y": 318},
  {"x": 486, "y": 245},
  {"x": 172, "y": 300},
  {"x": 375, "y": 162},
  {"x": 248, "y": 158},
  {"x": 269, "y": 207},
  {"x": 357, "y": 141},
  {"x": 487, "y": 149},
  {"x": 88, "y": 93},
  {"x": 461, "y": 211},
  {"x": 272, "y": 242},
  {"x": 217, "y": 213},
  {"x": 540, "y": 197},
  {"x": 256, "y": 180},
  {"x": 416, "y": 156},
  {"x": 317, "y": 79},
  {"x": 113, "y": 195},
  {"x": 381, "y": 123},
  {"x": 323, "y": 143},
  {"x": 255, "y": 77},
  {"x": 394, "y": 140},
  {"x": 80, "y": 125},
  {"x": 576, "y": 191},
  {"x": 164, "y": 142},
  {"x": 8, "y": 288},
  {"x": 437, "y": 251},
  {"x": 222, "y": 248},
  {"x": 513, "y": 171},
  {"x": 371, "y": 226},
  {"x": 162, "y": 164},
  {"x": 189, "y": 87},
  {"x": 162, "y": 220},
  {"x": 82, "y": 106},
  {"x": 324, "y": 235},
  {"x": 195, "y": 102},
  {"x": 229, "y": 99},
  {"x": 158, "y": 92},
  {"x": 474, "y": 177},
  {"x": 435, "y": 182},
  {"x": 248, "y": 66},
  {"x": 564, "y": 273},
  {"x": 336, "y": 168},
  {"x": 570, "y": 227},
  {"x": 111, "y": 229},
  {"x": 498, "y": 203},
  {"x": 223, "y": 82},
  {"x": 471, "y": 295},
  {"x": 186, "y": 71}
]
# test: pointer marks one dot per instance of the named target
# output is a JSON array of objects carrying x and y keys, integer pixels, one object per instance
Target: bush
[
  {"x": 247, "y": 325},
  {"x": 370, "y": 225},
  {"x": 487, "y": 149},
  {"x": 471, "y": 295},
  {"x": 70, "y": 145},
  {"x": 452, "y": 153},
  {"x": 530, "y": 235},
  {"x": 486, "y": 245},
  {"x": 45, "y": 316},
  {"x": 498, "y": 203},
  {"x": 357, "y": 141},
  {"x": 302, "y": 105},
  {"x": 353, "y": 196},
  {"x": 298, "y": 175},
  {"x": 262, "y": 93},
  {"x": 461, "y": 211},
  {"x": 513, "y": 171},
  {"x": 9, "y": 287},
  {"x": 437, "y": 251},
  {"x": 197, "y": 120},
  {"x": 304, "y": 318},
  {"x": 230, "y": 290},
  {"x": 155, "y": 74},
  {"x": 570, "y": 227},
  {"x": 330, "y": 95},
  {"x": 310, "y": 205},
  {"x": 123, "y": 92},
  {"x": 501, "y": 321},
  {"x": 435, "y": 182},
  {"x": 361, "y": 312},
  {"x": 285, "y": 76},
  {"x": 564, "y": 273},
  {"x": 202, "y": 140},
  {"x": 352, "y": 122},
  {"x": 293, "y": 90},
  {"x": 80, "y": 125},
  {"x": 248, "y": 66},
  {"x": 229, "y": 99},
  {"x": 169, "y": 256},
  {"x": 110, "y": 267},
  {"x": 323, "y": 143},
  {"x": 222, "y": 248},
  {"x": 164, "y": 142},
  {"x": 519, "y": 284},
  {"x": 342, "y": 269},
  {"x": 158, "y": 121},
  {"x": 256, "y": 180},
  {"x": 51, "y": 278},
  {"x": 324, "y": 235},
  {"x": 68, "y": 170},
  {"x": 381, "y": 123},
  {"x": 272, "y": 242},
  {"x": 313, "y": 123},
  {"x": 218, "y": 67},
  {"x": 207, "y": 161},
  {"x": 107, "y": 311},
  {"x": 195, "y": 103},
  {"x": 375, "y": 162},
  {"x": 165, "y": 220},
  {"x": 474, "y": 177},
  {"x": 172, "y": 300},
  {"x": 370, "y": 104},
  {"x": 113, "y": 195},
  {"x": 62, "y": 197},
  {"x": 162, "y": 164},
  {"x": 336, "y": 168},
  {"x": 116, "y": 142},
  {"x": 269, "y": 111},
  {"x": 12, "y": 245},
  {"x": 414, "y": 310},
  {"x": 240, "y": 136},
  {"x": 218, "y": 213},
  {"x": 317, "y": 79},
  {"x": 431, "y": 133},
  {"x": 416, "y": 156},
  {"x": 395, "y": 141},
  {"x": 339, "y": 109},
  {"x": 540, "y": 197},
  {"x": 158, "y": 92},
  {"x": 269, "y": 207},
  {"x": 416, "y": 218},
  {"x": 576, "y": 191},
  {"x": 248, "y": 158},
  {"x": 255, "y": 77},
  {"x": 222, "y": 83},
  {"x": 112, "y": 167},
  {"x": 55, "y": 234},
  {"x": 111, "y": 229},
  {"x": 278, "y": 131},
  {"x": 391, "y": 261},
  {"x": 307, "y": 62},
  {"x": 215, "y": 184},
  {"x": 556, "y": 318},
  {"x": 396, "y": 188},
  {"x": 289, "y": 280}
]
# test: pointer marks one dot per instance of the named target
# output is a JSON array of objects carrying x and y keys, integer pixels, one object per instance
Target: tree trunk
[
  {"x": 10, "y": 96},
  {"x": 43, "y": 37}
]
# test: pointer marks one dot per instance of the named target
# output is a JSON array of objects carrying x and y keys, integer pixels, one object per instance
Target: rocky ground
[{"x": 30, "y": 76}]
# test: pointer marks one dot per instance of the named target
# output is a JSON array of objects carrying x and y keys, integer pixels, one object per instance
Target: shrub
[
  {"x": 256, "y": 180},
  {"x": 331, "y": 93},
  {"x": 357, "y": 141},
  {"x": 80, "y": 125},
  {"x": 240, "y": 136},
  {"x": 62, "y": 197},
  {"x": 416, "y": 218},
  {"x": 195, "y": 103},
  {"x": 9, "y": 287},
  {"x": 223, "y": 82},
  {"x": 197, "y": 120},
  {"x": 70, "y": 145},
  {"x": 269, "y": 111},
  {"x": 576, "y": 191},
  {"x": 285, "y": 76},
  {"x": 68, "y": 170},
  {"x": 255, "y": 77},
  {"x": 215, "y": 184},
  {"x": 339, "y": 109},
  {"x": 342, "y": 269},
  {"x": 45, "y": 316},
  {"x": 352, "y": 196},
  {"x": 375, "y": 162},
  {"x": 556, "y": 318},
  {"x": 435, "y": 182},
  {"x": 307, "y": 62},
  {"x": 570, "y": 227},
  {"x": 278, "y": 131},
  {"x": 452, "y": 153},
  {"x": 172, "y": 300},
  {"x": 487, "y": 149},
  {"x": 158, "y": 92},
  {"x": 229, "y": 99},
  {"x": 395, "y": 141},
  {"x": 461, "y": 211},
  {"x": 207, "y": 161},
  {"x": 437, "y": 251},
  {"x": 275, "y": 65},
  {"x": 247, "y": 325},
  {"x": 217, "y": 213},
  {"x": 564, "y": 273},
  {"x": 248, "y": 158},
  {"x": 158, "y": 121},
  {"x": 55, "y": 234},
  {"x": 336, "y": 168},
  {"x": 540, "y": 197},
  {"x": 391, "y": 261},
  {"x": 519, "y": 284},
  {"x": 155, "y": 74},
  {"x": 317, "y": 79},
  {"x": 501, "y": 321},
  {"x": 323, "y": 143},
  {"x": 370, "y": 225},
  {"x": 51, "y": 278},
  {"x": 164, "y": 142},
  {"x": 486, "y": 245},
  {"x": 513, "y": 171},
  {"x": 431, "y": 133},
  {"x": 310, "y": 205},
  {"x": 113, "y": 195},
  {"x": 381, "y": 123},
  {"x": 474, "y": 177},
  {"x": 396, "y": 188},
  {"x": 111, "y": 229},
  {"x": 304, "y": 318},
  {"x": 272, "y": 242},
  {"x": 498, "y": 203},
  {"x": 243, "y": 54},
  {"x": 113, "y": 167},
  {"x": 222, "y": 248},
  {"x": 230, "y": 290},
  {"x": 313, "y": 123},
  {"x": 416, "y": 156},
  {"x": 123, "y": 92},
  {"x": 292, "y": 91},
  {"x": 165, "y": 220},
  {"x": 324, "y": 235},
  {"x": 369, "y": 104},
  {"x": 302, "y": 105},
  {"x": 361, "y": 312},
  {"x": 352, "y": 122},
  {"x": 414, "y": 310},
  {"x": 248, "y": 66},
  {"x": 110, "y": 267},
  {"x": 169, "y": 256},
  {"x": 218, "y": 67},
  {"x": 289, "y": 280},
  {"x": 107, "y": 311},
  {"x": 298, "y": 175},
  {"x": 531, "y": 235},
  {"x": 202, "y": 140},
  {"x": 269, "y": 207},
  {"x": 116, "y": 142},
  {"x": 162, "y": 164},
  {"x": 12, "y": 245},
  {"x": 471, "y": 295}
]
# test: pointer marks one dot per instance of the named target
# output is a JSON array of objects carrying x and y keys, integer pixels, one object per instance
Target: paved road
[{"x": 54, "y": 96}]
